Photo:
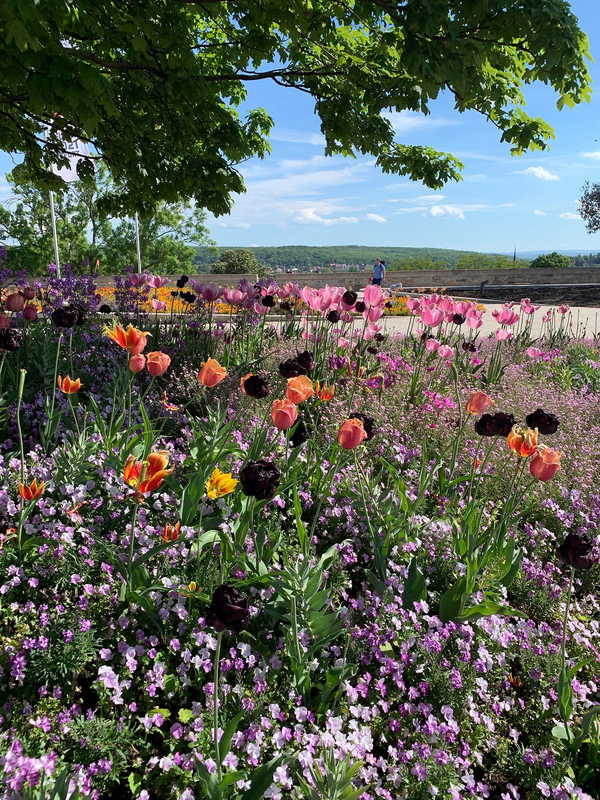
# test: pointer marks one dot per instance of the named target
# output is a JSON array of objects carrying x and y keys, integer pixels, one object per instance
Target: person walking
[{"x": 378, "y": 272}]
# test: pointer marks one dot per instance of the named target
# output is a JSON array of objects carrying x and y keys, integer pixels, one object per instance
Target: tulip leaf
[
  {"x": 228, "y": 734},
  {"x": 262, "y": 778},
  {"x": 414, "y": 586}
]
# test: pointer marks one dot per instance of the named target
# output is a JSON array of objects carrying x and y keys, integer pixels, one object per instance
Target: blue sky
[{"x": 297, "y": 196}]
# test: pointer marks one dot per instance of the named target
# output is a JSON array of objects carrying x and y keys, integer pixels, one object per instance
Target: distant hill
[{"x": 306, "y": 257}]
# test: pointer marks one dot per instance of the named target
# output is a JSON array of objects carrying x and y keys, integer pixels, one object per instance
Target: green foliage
[
  {"x": 551, "y": 261},
  {"x": 409, "y": 258},
  {"x": 236, "y": 261},
  {"x": 155, "y": 88},
  {"x": 589, "y": 206},
  {"x": 88, "y": 237},
  {"x": 334, "y": 782}
]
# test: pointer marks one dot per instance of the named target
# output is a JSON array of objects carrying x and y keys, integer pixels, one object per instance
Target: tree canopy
[
  {"x": 551, "y": 261},
  {"x": 155, "y": 87},
  {"x": 589, "y": 207},
  {"x": 237, "y": 261},
  {"x": 88, "y": 237}
]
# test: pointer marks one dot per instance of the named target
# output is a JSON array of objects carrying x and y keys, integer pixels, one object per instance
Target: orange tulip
[
  {"x": 523, "y": 441},
  {"x": 299, "y": 389},
  {"x": 145, "y": 476},
  {"x": 545, "y": 463},
  {"x": 68, "y": 385},
  {"x": 211, "y": 373},
  {"x": 31, "y": 491},
  {"x": 283, "y": 413},
  {"x": 351, "y": 434},
  {"x": 130, "y": 338},
  {"x": 137, "y": 363},
  {"x": 170, "y": 533},
  {"x": 479, "y": 402},
  {"x": 157, "y": 363},
  {"x": 324, "y": 392}
]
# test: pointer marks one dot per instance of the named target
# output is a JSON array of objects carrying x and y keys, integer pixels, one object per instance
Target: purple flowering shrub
[{"x": 276, "y": 613}]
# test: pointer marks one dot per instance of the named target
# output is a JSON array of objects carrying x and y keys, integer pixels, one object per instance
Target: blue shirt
[{"x": 378, "y": 271}]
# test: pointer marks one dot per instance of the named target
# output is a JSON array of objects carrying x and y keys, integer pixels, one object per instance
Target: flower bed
[{"x": 308, "y": 560}]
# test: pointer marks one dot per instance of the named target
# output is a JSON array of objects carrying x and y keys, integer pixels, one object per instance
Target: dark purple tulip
[
  {"x": 260, "y": 479},
  {"x": 228, "y": 609},
  {"x": 576, "y": 550},
  {"x": 544, "y": 421}
]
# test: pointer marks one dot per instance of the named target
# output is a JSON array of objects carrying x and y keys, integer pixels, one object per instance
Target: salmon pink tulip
[
  {"x": 545, "y": 463},
  {"x": 283, "y": 413},
  {"x": 351, "y": 434},
  {"x": 137, "y": 363},
  {"x": 479, "y": 402},
  {"x": 157, "y": 363},
  {"x": 299, "y": 389},
  {"x": 211, "y": 373}
]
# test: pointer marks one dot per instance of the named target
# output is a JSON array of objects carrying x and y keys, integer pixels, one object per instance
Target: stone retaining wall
[{"x": 425, "y": 278}]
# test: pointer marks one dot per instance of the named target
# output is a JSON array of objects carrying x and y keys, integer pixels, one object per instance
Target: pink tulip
[
  {"x": 373, "y": 295},
  {"x": 445, "y": 351},
  {"x": 563, "y": 309},
  {"x": 432, "y": 316},
  {"x": 414, "y": 305},
  {"x": 502, "y": 335},
  {"x": 505, "y": 316},
  {"x": 234, "y": 296},
  {"x": 158, "y": 305},
  {"x": 260, "y": 309},
  {"x": 474, "y": 319},
  {"x": 155, "y": 281},
  {"x": 431, "y": 345}
]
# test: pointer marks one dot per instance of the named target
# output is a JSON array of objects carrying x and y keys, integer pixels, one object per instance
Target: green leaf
[
  {"x": 414, "y": 586},
  {"x": 261, "y": 779},
  {"x": 185, "y": 715}
]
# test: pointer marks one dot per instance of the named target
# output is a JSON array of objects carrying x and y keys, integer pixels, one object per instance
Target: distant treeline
[
  {"x": 588, "y": 260},
  {"x": 300, "y": 256}
]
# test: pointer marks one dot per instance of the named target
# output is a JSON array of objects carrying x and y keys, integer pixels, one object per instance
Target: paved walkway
[{"x": 584, "y": 321}]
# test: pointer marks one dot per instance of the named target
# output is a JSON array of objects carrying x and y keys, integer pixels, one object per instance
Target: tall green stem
[
  {"x": 22, "y": 375},
  {"x": 131, "y": 545},
  {"x": 216, "y": 665},
  {"x": 563, "y": 644}
]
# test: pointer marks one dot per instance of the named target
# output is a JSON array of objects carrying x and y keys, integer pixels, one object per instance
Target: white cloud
[
  {"x": 539, "y": 213},
  {"x": 569, "y": 215},
  {"x": 540, "y": 173},
  {"x": 376, "y": 218},
  {"x": 457, "y": 211},
  {"x": 406, "y": 121},
  {"x": 595, "y": 154},
  {"x": 430, "y": 198},
  {"x": 476, "y": 177},
  {"x": 308, "y": 215},
  {"x": 297, "y": 137}
]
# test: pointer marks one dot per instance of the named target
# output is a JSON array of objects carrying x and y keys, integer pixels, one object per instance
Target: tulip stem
[
  {"x": 563, "y": 646},
  {"x": 131, "y": 546},
  {"x": 50, "y": 421},
  {"x": 22, "y": 375},
  {"x": 216, "y": 665}
]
